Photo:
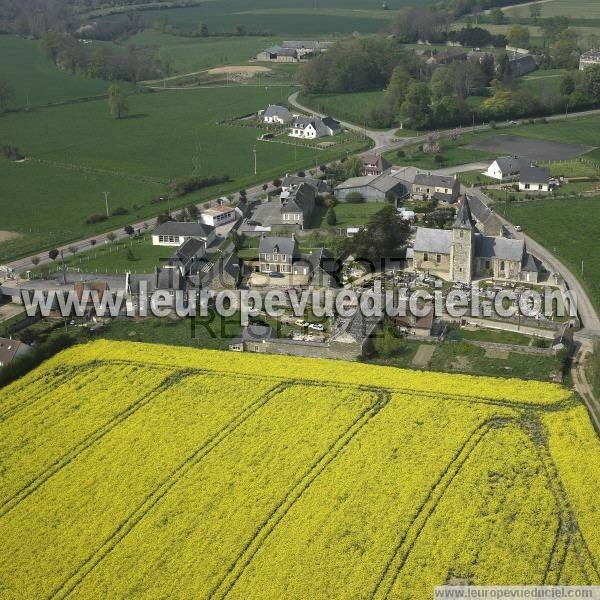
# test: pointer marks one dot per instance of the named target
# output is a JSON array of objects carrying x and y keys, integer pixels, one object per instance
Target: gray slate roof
[
  {"x": 277, "y": 245},
  {"x": 497, "y": 247},
  {"x": 464, "y": 218},
  {"x": 275, "y": 110},
  {"x": 184, "y": 229},
  {"x": 436, "y": 241},
  {"x": 383, "y": 183},
  {"x": 433, "y": 180},
  {"x": 535, "y": 175},
  {"x": 319, "y": 185},
  {"x": 512, "y": 164}
]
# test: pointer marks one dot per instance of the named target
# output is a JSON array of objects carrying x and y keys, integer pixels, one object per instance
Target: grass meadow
[
  {"x": 168, "y": 135},
  {"x": 35, "y": 81},
  {"x": 569, "y": 228},
  {"x": 348, "y": 107}
]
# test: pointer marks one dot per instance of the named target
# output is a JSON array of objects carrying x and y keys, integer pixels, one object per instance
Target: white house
[
  {"x": 175, "y": 233},
  {"x": 277, "y": 115},
  {"x": 506, "y": 167},
  {"x": 218, "y": 215},
  {"x": 535, "y": 179},
  {"x": 311, "y": 128}
]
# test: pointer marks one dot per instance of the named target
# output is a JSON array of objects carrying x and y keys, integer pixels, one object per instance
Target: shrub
[
  {"x": 400, "y": 153},
  {"x": 95, "y": 219},
  {"x": 186, "y": 186},
  {"x": 355, "y": 198},
  {"x": 119, "y": 211}
]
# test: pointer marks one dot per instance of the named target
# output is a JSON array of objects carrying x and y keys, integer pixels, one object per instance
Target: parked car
[
  {"x": 276, "y": 275},
  {"x": 518, "y": 228},
  {"x": 301, "y": 323},
  {"x": 316, "y": 327},
  {"x": 253, "y": 223}
]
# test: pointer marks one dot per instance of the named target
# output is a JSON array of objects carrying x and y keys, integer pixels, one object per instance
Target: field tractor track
[
  {"x": 402, "y": 550},
  {"x": 558, "y": 553},
  {"x": 128, "y": 524},
  {"x": 63, "y": 374},
  {"x": 561, "y": 498},
  {"x": 295, "y": 493},
  {"x": 501, "y": 402},
  {"x": 29, "y": 488}
]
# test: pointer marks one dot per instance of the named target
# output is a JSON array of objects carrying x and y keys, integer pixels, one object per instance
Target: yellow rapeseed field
[{"x": 144, "y": 471}]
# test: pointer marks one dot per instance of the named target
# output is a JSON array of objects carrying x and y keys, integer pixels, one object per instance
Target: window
[
  {"x": 275, "y": 257},
  {"x": 438, "y": 258},
  {"x": 502, "y": 266},
  {"x": 267, "y": 267},
  {"x": 487, "y": 264},
  {"x": 425, "y": 257}
]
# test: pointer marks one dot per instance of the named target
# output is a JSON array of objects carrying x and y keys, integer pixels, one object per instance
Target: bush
[
  {"x": 120, "y": 211},
  {"x": 438, "y": 159},
  {"x": 331, "y": 217},
  {"x": 186, "y": 186},
  {"x": 400, "y": 153},
  {"x": 355, "y": 198},
  {"x": 493, "y": 125},
  {"x": 95, "y": 219}
]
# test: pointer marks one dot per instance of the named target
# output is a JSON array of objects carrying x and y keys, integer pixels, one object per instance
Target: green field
[
  {"x": 35, "y": 81},
  {"x": 289, "y": 17},
  {"x": 194, "y": 54},
  {"x": 569, "y": 229},
  {"x": 347, "y": 107},
  {"x": 168, "y": 135},
  {"x": 576, "y": 9},
  {"x": 347, "y": 214}
]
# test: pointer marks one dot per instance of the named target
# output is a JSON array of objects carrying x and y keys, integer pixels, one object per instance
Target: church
[{"x": 463, "y": 253}]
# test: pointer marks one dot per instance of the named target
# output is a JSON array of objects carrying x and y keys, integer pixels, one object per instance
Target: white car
[
  {"x": 301, "y": 323},
  {"x": 316, "y": 327},
  {"x": 518, "y": 228}
]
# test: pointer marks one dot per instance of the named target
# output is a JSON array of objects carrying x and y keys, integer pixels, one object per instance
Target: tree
[
  {"x": 498, "y": 106},
  {"x": 498, "y": 16},
  {"x": 535, "y": 11},
  {"x": 396, "y": 89},
  {"x": 203, "y": 29},
  {"x": 53, "y": 254},
  {"x": 416, "y": 108},
  {"x": 192, "y": 211},
  {"x": 592, "y": 82},
  {"x": 93, "y": 242},
  {"x": 111, "y": 237},
  {"x": 383, "y": 236},
  {"x": 518, "y": 36},
  {"x": 6, "y": 94},
  {"x": 73, "y": 249},
  {"x": 552, "y": 27},
  {"x": 331, "y": 217},
  {"x": 35, "y": 261},
  {"x": 567, "y": 84},
  {"x": 129, "y": 230},
  {"x": 117, "y": 101},
  {"x": 353, "y": 167}
]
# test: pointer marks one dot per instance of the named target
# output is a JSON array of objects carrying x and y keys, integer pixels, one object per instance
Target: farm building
[
  {"x": 175, "y": 233},
  {"x": 535, "y": 179},
  {"x": 522, "y": 64},
  {"x": 442, "y": 188},
  {"x": 293, "y": 51},
  {"x": 373, "y": 188},
  {"x": 276, "y": 114},
  {"x": 278, "y": 54},
  {"x": 591, "y": 58},
  {"x": 312, "y": 128}
]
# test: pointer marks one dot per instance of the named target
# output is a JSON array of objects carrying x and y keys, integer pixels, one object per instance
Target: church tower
[{"x": 463, "y": 245}]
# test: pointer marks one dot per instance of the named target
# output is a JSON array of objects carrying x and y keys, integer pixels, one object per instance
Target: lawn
[
  {"x": 576, "y": 9},
  {"x": 35, "y": 81},
  {"x": 350, "y": 107},
  {"x": 225, "y": 475},
  {"x": 347, "y": 214},
  {"x": 568, "y": 228},
  {"x": 168, "y": 135}
]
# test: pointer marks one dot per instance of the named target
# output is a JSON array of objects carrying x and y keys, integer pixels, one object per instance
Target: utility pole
[
  {"x": 106, "y": 202},
  {"x": 255, "y": 161}
]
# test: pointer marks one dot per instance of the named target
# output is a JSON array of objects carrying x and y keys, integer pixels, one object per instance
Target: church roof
[
  {"x": 464, "y": 218},
  {"x": 438, "y": 241},
  {"x": 498, "y": 247}
]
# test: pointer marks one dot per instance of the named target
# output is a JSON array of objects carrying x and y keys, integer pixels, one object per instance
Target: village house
[
  {"x": 507, "y": 167},
  {"x": 277, "y": 254},
  {"x": 534, "y": 179},
  {"x": 374, "y": 164},
  {"x": 297, "y": 205},
  {"x": 463, "y": 253},
  {"x": 175, "y": 233},
  {"x": 276, "y": 114},
  {"x": 11, "y": 349},
  {"x": 311, "y": 128},
  {"x": 293, "y": 181},
  {"x": 591, "y": 58},
  {"x": 218, "y": 215},
  {"x": 373, "y": 188},
  {"x": 427, "y": 186},
  {"x": 226, "y": 273}
]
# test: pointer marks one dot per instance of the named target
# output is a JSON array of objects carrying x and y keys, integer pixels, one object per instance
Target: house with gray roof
[
  {"x": 297, "y": 205},
  {"x": 507, "y": 167},
  {"x": 277, "y": 253},
  {"x": 277, "y": 114},
  {"x": 375, "y": 164},
  {"x": 176, "y": 233},
  {"x": 291, "y": 182},
  {"x": 373, "y": 188},
  {"x": 534, "y": 179},
  {"x": 311, "y": 128},
  {"x": 443, "y": 188},
  {"x": 463, "y": 253}
]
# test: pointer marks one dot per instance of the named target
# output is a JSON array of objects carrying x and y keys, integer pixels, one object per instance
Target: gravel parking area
[{"x": 542, "y": 150}]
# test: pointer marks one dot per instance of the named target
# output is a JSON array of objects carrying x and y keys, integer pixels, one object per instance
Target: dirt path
[{"x": 583, "y": 387}]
